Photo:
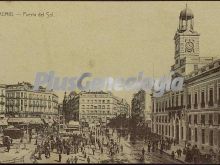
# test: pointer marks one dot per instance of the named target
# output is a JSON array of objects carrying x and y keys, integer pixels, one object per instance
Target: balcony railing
[
  {"x": 203, "y": 122},
  {"x": 211, "y": 104},
  {"x": 210, "y": 122},
  {"x": 203, "y": 105},
  {"x": 195, "y": 106},
  {"x": 175, "y": 108},
  {"x": 189, "y": 106}
]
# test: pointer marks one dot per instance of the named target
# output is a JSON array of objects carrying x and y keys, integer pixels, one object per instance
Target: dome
[{"x": 186, "y": 14}]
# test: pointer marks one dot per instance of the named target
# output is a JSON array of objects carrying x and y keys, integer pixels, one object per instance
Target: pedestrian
[
  {"x": 180, "y": 152},
  {"x": 93, "y": 151},
  {"x": 88, "y": 160},
  {"x": 71, "y": 160},
  {"x": 173, "y": 155},
  {"x": 8, "y": 146},
  {"x": 60, "y": 157},
  {"x": 68, "y": 161},
  {"x": 148, "y": 146},
  {"x": 143, "y": 151},
  {"x": 35, "y": 160},
  {"x": 75, "y": 159},
  {"x": 121, "y": 148}
]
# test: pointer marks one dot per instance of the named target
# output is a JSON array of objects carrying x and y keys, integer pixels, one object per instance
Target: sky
[{"x": 117, "y": 39}]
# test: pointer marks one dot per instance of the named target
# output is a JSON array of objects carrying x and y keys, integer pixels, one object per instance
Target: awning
[
  {"x": 3, "y": 122},
  {"x": 48, "y": 121},
  {"x": 16, "y": 120},
  {"x": 25, "y": 120},
  {"x": 35, "y": 121}
]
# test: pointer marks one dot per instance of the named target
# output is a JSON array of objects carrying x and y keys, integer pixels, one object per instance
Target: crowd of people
[
  {"x": 83, "y": 144},
  {"x": 192, "y": 154}
]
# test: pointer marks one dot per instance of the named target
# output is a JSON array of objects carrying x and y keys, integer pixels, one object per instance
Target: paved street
[{"x": 131, "y": 154}]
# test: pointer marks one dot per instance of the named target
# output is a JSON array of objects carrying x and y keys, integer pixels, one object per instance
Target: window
[
  {"x": 203, "y": 136},
  {"x": 189, "y": 101},
  {"x": 166, "y": 130},
  {"x": 210, "y": 119},
  {"x": 203, "y": 99},
  {"x": 172, "y": 131},
  {"x": 195, "y": 67},
  {"x": 219, "y": 119},
  {"x": 183, "y": 70},
  {"x": 211, "y": 138},
  {"x": 211, "y": 97},
  {"x": 196, "y": 138},
  {"x": 173, "y": 101},
  {"x": 189, "y": 119},
  {"x": 177, "y": 100},
  {"x": 181, "y": 99},
  {"x": 219, "y": 95},
  {"x": 195, "y": 103},
  {"x": 195, "y": 119},
  {"x": 203, "y": 119},
  {"x": 189, "y": 133},
  {"x": 169, "y": 130},
  {"x": 181, "y": 132}
]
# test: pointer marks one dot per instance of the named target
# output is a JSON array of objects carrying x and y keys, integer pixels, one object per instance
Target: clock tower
[{"x": 186, "y": 44}]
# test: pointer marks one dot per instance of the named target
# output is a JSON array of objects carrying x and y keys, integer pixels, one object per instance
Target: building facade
[
  {"x": 61, "y": 120},
  {"x": 71, "y": 107},
  {"x": 93, "y": 107},
  {"x": 23, "y": 101},
  {"x": 2, "y": 99},
  {"x": 141, "y": 107},
  {"x": 193, "y": 114}
]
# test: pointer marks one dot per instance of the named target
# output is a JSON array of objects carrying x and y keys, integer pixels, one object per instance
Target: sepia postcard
[{"x": 100, "y": 82}]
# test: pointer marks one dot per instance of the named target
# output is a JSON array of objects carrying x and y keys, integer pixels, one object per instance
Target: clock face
[{"x": 189, "y": 46}]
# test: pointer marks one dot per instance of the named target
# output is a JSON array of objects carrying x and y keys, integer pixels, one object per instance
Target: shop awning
[
  {"x": 3, "y": 122},
  {"x": 25, "y": 120}
]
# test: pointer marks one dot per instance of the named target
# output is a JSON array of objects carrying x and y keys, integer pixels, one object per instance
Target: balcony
[
  {"x": 203, "y": 105},
  {"x": 195, "y": 106},
  {"x": 210, "y": 122},
  {"x": 203, "y": 122},
  {"x": 189, "y": 106},
  {"x": 211, "y": 104},
  {"x": 175, "y": 108}
]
